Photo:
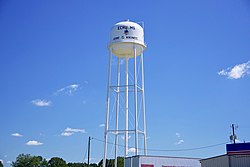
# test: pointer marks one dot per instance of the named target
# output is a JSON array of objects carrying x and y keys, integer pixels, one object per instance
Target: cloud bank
[{"x": 236, "y": 72}]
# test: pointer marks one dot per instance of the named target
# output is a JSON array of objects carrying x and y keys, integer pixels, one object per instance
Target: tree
[
  {"x": 57, "y": 162},
  {"x": 38, "y": 161},
  {"x": 1, "y": 164},
  {"x": 120, "y": 161},
  {"x": 93, "y": 165},
  {"x": 111, "y": 162},
  {"x": 26, "y": 160},
  {"x": 81, "y": 165},
  {"x": 77, "y": 165}
]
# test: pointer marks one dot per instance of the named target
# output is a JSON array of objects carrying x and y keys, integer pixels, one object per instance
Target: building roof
[{"x": 154, "y": 156}]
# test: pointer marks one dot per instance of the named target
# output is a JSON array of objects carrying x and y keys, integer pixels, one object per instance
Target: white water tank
[{"x": 125, "y": 38}]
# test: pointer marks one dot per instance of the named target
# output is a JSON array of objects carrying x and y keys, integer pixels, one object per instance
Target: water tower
[{"x": 125, "y": 106}]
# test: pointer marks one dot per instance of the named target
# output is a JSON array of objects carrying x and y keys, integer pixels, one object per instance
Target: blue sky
[{"x": 53, "y": 68}]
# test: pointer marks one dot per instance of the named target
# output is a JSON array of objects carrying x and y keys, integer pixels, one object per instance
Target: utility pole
[
  {"x": 233, "y": 132},
  {"x": 233, "y": 137},
  {"x": 89, "y": 150}
]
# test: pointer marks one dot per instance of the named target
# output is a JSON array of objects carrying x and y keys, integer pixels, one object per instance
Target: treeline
[{"x": 27, "y": 160}]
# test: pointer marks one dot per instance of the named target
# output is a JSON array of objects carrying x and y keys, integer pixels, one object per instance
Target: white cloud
[
  {"x": 178, "y": 135},
  {"x": 131, "y": 150},
  {"x": 122, "y": 61},
  {"x": 115, "y": 62},
  {"x": 41, "y": 134},
  {"x": 9, "y": 162},
  {"x": 238, "y": 141},
  {"x": 236, "y": 72},
  {"x": 69, "y": 90},
  {"x": 123, "y": 137},
  {"x": 41, "y": 103},
  {"x": 33, "y": 143},
  {"x": 67, "y": 133},
  {"x": 101, "y": 125},
  {"x": 71, "y": 131},
  {"x": 179, "y": 142},
  {"x": 74, "y": 130},
  {"x": 16, "y": 135}
]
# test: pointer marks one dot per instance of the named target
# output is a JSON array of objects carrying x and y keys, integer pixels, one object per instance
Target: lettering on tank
[
  {"x": 126, "y": 27},
  {"x": 125, "y": 30}
]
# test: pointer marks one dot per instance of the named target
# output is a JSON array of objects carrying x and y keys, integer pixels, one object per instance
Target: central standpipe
[{"x": 127, "y": 46}]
